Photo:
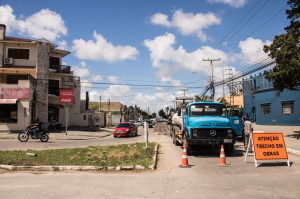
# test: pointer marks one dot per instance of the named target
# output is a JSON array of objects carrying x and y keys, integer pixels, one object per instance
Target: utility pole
[
  {"x": 184, "y": 89},
  {"x": 99, "y": 104},
  {"x": 230, "y": 74},
  {"x": 212, "y": 76}
]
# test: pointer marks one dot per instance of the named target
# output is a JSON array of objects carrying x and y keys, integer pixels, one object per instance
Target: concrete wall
[
  {"x": 275, "y": 99},
  {"x": 23, "y": 62}
]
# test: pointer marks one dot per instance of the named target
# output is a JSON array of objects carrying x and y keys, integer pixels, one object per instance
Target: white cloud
[
  {"x": 97, "y": 78},
  {"x": 62, "y": 45},
  {"x": 43, "y": 24},
  {"x": 187, "y": 23},
  {"x": 100, "y": 49},
  {"x": 81, "y": 70},
  {"x": 8, "y": 18},
  {"x": 233, "y": 3},
  {"x": 251, "y": 51},
  {"x": 113, "y": 79},
  {"x": 116, "y": 91},
  {"x": 170, "y": 60},
  {"x": 144, "y": 100}
]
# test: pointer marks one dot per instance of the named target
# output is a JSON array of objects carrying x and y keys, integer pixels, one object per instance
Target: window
[
  {"x": 207, "y": 110},
  {"x": 54, "y": 61},
  {"x": 265, "y": 109},
  {"x": 53, "y": 87},
  {"x": 9, "y": 113},
  {"x": 18, "y": 53},
  {"x": 288, "y": 108},
  {"x": 14, "y": 79}
]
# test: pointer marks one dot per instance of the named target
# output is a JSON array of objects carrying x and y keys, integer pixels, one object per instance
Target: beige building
[{"x": 31, "y": 77}]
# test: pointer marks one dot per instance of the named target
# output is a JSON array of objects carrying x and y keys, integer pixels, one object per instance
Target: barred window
[
  {"x": 288, "y": 108},
  {"x": 265, "y": 109}
]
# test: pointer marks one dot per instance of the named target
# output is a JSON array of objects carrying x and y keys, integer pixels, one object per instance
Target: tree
[
  {"x": 205, "y": 98},
  {"x": 167, "y": 110},
  {"x": 153, "y": 115},
  {"x": 94, "y": 106},
  {"x": 144, "y": 114},
  {"x": 285, "y": 50},
  {"x": 162, "y": 113}
]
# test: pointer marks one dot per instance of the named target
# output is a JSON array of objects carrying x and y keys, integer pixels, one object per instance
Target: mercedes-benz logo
[{"x": 213, "y": 132}]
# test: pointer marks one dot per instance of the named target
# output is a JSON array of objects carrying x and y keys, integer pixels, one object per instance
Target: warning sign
[{"x": 269, "y": 146}]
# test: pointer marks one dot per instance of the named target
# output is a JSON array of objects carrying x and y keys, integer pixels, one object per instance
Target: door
[
  {"x": 254, "y": 114},
  {"x": 235, "y": 116}
]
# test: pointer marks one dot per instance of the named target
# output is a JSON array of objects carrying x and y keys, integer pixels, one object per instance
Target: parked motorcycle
[
  {"x": 53, "y": 125},
  {"x": 43, "y": 135}
]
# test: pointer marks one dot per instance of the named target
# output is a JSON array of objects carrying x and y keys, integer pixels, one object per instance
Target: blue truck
[{"x": 206, "y": 124}]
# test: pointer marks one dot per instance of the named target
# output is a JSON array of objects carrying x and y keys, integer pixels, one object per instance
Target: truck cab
[{"x": 207, "y": 124}]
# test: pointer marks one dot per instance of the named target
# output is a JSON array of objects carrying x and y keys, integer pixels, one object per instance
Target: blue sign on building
[{"x": 266, "y": 106}]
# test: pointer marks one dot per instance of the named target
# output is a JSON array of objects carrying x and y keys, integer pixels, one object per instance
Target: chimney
[
  {"x": 2, "y": 31},
  {"x": 87, "y": 100}
]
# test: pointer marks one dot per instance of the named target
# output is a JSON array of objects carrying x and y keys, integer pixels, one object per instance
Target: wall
[
  {"x": 23, "y": 62},
  {"x": 268, "y": 95}
]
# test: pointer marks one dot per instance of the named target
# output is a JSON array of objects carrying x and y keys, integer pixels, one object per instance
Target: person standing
[{"x": 247, "y": 132}]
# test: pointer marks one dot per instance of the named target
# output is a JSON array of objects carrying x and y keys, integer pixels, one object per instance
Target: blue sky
[{"x": 145, "y": 52}]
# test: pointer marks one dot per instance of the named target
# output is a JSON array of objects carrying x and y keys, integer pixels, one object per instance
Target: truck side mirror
[{"x": 179, "y": 111}]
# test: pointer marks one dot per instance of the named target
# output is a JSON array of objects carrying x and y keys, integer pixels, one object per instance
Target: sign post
[
  {"x": 66, "y": 97},
  {"x": 146, "y": 133},
  {"x": 268, "y": 146}
]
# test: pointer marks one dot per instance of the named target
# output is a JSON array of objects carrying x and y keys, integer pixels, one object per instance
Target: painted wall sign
[
  {"x": 66, "y": 96},
  {"x": 14, "y": 93}
]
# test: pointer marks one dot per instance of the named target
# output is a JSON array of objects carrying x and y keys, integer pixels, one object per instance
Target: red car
[{"x": 125, "y": 129}]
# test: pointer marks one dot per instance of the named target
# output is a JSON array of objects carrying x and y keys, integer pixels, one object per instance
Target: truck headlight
[{"x": 230, "y": 133}]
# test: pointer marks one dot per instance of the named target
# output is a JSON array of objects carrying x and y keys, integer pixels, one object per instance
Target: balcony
[{"x": 61, "y": 69}]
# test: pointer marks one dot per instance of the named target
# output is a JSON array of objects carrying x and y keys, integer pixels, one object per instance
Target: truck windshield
[{"x": 207, "y": 110}]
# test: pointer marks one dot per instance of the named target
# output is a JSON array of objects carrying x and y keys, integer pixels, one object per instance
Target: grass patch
[{"x": 120, "y": 155}]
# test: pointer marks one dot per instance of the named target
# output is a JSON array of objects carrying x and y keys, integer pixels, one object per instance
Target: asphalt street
[{"x": 203, "y": 180}]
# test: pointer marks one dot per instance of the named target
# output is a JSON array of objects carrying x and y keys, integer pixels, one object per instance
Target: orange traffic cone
[
  {"x": 184, "y": 163},
  {"x": 222, "y": 161}
]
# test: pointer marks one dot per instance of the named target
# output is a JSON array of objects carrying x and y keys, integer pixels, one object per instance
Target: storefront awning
[
  {"x": 56, "y": 106},
  {"x": 8, "y": 101},
  {"x": 60, "y": 106}
]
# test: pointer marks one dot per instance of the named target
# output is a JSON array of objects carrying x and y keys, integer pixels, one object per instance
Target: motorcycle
[{"x": 43, "y": 135}]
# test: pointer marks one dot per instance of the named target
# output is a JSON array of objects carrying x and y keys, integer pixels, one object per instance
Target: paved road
[
  {"x": 74, "y": 139},
  {"x": 203, "y": 180}
]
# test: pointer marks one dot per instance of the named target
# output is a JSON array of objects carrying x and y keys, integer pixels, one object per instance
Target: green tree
[
  {"x": 285, "y": 50},
  {"x": 153, "y": 115},
  {"x": 94, "y": 106},
  {"x": 205, "y": 98},
  {"x": 144, "y": 114},
  {"x": 162, "y": 113}
]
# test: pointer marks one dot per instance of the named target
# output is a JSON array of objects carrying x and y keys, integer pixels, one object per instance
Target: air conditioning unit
[{"x": 8, "y": 60}]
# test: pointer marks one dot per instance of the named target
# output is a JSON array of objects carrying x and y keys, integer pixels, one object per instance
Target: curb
[
  {"x": 82, "y": 168},
  {"x": 293, "y": 151}
]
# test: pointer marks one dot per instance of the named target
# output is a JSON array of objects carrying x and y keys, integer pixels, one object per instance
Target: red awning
[
  {"x": 8, "y": 101},
  {"x": 59, "y": 106}
]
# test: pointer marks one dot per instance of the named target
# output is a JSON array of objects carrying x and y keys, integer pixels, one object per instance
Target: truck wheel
[
  {"x": 174, "y": 139},
  {"x": 229, "y": 149}
]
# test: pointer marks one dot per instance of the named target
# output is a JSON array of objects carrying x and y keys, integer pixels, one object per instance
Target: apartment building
[{"x": 31, "y": 76}]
